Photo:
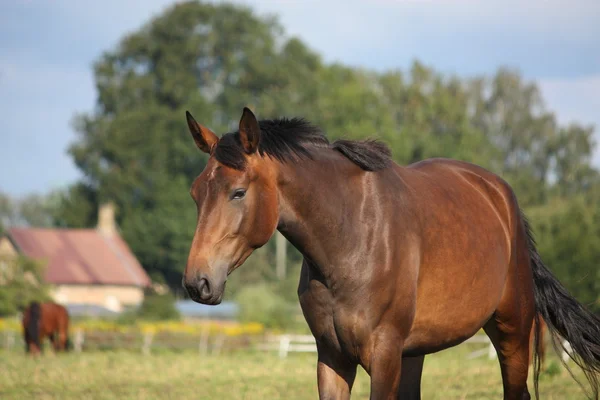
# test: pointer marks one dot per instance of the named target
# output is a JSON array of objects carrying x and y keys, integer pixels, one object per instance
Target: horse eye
[{"x": 238, "y": 194}]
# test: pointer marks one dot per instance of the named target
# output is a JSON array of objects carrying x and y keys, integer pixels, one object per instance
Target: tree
[
  {"x": 531, "y": 151},
  {"x": 158, "y": 307},
  {"x": 568, "y": 234},
  {"x": 37, "y": 210},
  {"x": 134, "y": 148},
  {"x": 32, "y": 210},
  {"x": 7, "y": 212},
  {"x": 22, "y": 282}
]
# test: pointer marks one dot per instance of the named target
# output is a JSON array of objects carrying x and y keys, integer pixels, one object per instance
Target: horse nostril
[{"x": 204, "y": 289}]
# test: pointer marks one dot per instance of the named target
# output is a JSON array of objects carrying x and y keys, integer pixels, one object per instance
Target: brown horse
[
  {"x": 399, "y": 262},
  {"x": 42, "y": 320}
]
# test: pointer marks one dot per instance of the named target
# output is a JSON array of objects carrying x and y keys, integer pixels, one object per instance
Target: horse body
[
  {"x": 42, "y": 320},
  {"x": 399, "y": 262},
  {"x": 439, "y": 276}
]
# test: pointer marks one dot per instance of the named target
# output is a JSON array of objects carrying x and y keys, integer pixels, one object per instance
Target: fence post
[
  {"x": 492, "y": 351},
  {"x": 9, "y": 339},
  {"x": 203, "y": 346},
  {"x": 284, "y": 346},
  {"x": 78, "y": 343},
  {"x": 147, "y": 343},
  {"x": 219, "y": 344}
]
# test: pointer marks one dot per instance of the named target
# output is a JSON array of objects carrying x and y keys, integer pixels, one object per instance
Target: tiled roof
[{"x": 81, "y": 256}]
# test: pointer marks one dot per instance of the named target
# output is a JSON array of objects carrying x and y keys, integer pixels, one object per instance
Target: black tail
[
  {"x": 32, "y": 332},
  {"x": 566, "y": 317}
]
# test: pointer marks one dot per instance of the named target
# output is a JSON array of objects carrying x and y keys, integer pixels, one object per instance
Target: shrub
[
  {"x": 22, "y": 281},
  {"x": 260, "y": 303},
  {"x": 158, "y": 307}
]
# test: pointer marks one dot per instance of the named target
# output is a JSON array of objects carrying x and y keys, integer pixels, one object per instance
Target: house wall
[
  {"x": 7, "y": 257},
  {"x": 110, "y": 296},
  {"x": 6, "y": 248}
]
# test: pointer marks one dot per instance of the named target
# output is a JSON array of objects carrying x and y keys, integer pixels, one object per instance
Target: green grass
[{"x": 248, "y": 375}]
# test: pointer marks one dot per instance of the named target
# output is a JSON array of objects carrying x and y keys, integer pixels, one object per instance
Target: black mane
[{"x": 293, "y": 139}]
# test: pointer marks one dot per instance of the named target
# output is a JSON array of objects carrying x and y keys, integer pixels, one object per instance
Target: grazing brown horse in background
[
  {"x": 399, "y": 262},
  {"x": 42, "y": 320}
]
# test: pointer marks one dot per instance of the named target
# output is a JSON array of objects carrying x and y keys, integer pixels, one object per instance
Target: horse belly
[{"x": 458, "y": 290}]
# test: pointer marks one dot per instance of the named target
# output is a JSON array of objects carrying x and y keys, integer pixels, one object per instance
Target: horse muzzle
[{"x": 205, "y": 289}]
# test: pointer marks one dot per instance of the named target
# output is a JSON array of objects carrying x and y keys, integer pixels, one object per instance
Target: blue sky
[{"x": 47, "y": 48}]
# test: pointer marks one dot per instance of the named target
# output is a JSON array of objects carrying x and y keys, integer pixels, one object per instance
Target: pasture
[{"x": 241, "y": 375}]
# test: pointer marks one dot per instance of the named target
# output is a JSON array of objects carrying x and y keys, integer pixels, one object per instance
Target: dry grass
[{"x": 248, "y": 375}]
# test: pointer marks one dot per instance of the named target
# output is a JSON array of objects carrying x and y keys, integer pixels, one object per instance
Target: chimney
[{"x": 106, "y": 219}]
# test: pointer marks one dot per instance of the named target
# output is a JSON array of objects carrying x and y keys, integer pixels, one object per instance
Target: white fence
[{"x": 285, "y": 344}]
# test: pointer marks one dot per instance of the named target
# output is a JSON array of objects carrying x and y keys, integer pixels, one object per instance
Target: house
[{"x": 92, "y": 267}]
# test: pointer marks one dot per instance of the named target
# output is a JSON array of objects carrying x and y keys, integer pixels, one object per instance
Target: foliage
[
  {"x": 259, "y": 303},
  {"x": 21, "y": 282},
  {"x": 553, "y": 369},
  {"x": 158, "y": 307},
  {"x": 5, "y": 211},
  {"x": 213, "y": 59},
  {"x": 568, "y": 233},
  {"x": 33, "y": 210}
]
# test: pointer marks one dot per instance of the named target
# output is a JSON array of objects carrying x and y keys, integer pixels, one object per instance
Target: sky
[{"x": 47, "y": 48}]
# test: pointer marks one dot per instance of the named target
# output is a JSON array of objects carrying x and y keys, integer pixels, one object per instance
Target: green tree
[
  {"x": 568, "y": 235},
  {"x": 213, "y": 59},
  {"x": 22, "y": 281},
  {"x": 32, "y": 210},
  {"x": 7, "y": 212},
  {"x": 158, "y": 307},
  {"x": 134, "y": 149},
  {"x": 531, "y": 151},
  {"x": 38, "y": 210}
]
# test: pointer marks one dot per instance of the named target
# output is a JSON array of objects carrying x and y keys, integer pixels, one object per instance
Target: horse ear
[
  {"x": 205, "y": 139},
  {"x": 249, "y": 131}
]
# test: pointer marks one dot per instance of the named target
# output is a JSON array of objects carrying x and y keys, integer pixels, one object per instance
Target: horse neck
[{"x": 318, "y": 206}]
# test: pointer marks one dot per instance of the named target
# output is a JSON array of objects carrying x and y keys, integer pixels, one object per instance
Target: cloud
[
  {"x": 542, "y": 38},
  {"x": 40, "y": 101},
  {"x": 575, "y": 100}
]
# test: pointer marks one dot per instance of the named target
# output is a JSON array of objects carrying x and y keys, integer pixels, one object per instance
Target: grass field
[{"x": 248, "y": 375}]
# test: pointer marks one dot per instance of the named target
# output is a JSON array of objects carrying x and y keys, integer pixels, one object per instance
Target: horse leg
[
  {"x": 64, "y": 333},
  {"x": 30, "y": 347},
  {"x": 385, "y": 365},
  {"x": 55, "y": 342},
  {"x": 60, "y": 339},
  {"x": 410, "y": 379},
  {"x": 335, "y": 375},
  {"x": 34, "y": 350},
  {"x": 513, "y": 355},
  {"x": 52, "y": 337},
  {"x": 509, "y": 329},
  {"x": 541, "y": 346}
]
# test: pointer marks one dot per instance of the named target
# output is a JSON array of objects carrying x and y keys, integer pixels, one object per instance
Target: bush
[
  {"x": 22, "y": 281},
  {"x": 552, "y": 369},
  {"x": 158, "y": 307},
  {"x": 260, "y": 303}
]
